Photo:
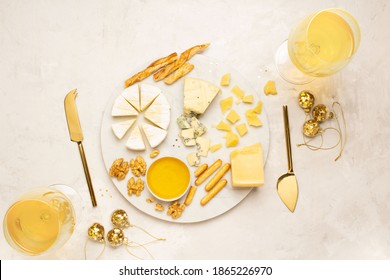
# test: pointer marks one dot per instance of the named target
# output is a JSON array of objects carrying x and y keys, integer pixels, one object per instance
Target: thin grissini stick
[
  {"x": 185, "y": 56},
  {"x": 201, "y": 169},
  {"x": 207, "y": 173},
  {"x": 219, "y": 186},
  {"x": 218, "y": 176},
  {"x": 153, "y": 67},
  {"x": 190, "y": 195},
  {"x": 182, "y": 71}
]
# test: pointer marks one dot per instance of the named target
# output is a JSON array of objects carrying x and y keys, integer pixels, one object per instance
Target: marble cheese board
[{"x": 211, "y": 70}]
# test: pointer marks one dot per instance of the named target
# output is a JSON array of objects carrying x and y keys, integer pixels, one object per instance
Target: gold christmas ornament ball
[
  {"x": 96, "y": 232},
  {"x": 116, "y": 237},
  {"x": 320, "y": 113},
  {"x": 311, "y": 128},
  {"x": 120, "y": 219},
  {"x": 306, "y": 100}
]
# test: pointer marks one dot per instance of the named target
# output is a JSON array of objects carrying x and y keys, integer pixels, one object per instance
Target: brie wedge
[
  {"x": 135, "y": 141},
  {"x": 121, "y": 128},
  {"x": 154, "y": 134},
  {"x": 122, "y": 108},
  {"x": 198, "y": 95},
  {"x": 159, "y": 112},
  {"x": 131, "y": 94},
  {"x": 148, "y": 93}
]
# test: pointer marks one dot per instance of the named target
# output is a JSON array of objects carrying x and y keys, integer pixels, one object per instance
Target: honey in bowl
[{"x": 168, "y": 178}]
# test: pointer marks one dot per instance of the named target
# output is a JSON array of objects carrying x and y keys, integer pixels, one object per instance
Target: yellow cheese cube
[
  {"x": 242, "y": 129},
  {"x": 233, "y": 117},
  {"x": 231, "y": 139},
  {"x": 226, "y": 104},
  {"x": 238, "y": 92},
  {"x": 270, "y": 88},
  {"x": 225, "y": 80},
  {"x": 247, "y": 166},
  {"x": 248, "y": 99},
  {"x": 252, "y": 118},
  {"x": 258, "y": 108},
  {"x": 223, "y": 126},
  {"x": 215, "y": 148}
]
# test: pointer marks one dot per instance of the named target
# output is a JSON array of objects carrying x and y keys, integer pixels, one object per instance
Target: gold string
[
  {"x": 338, "y": 124},
  {"x": 138, "y": 245},
  {"x": 342, "y": 140},
  {"x": 101, "y": 253},
  {"x": 151, "y": 235}
]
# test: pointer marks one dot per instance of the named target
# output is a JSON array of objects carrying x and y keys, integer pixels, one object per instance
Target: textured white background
[{"x": 50, "y": 47}]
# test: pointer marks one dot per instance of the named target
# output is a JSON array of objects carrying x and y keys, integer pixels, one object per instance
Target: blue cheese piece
[
  {"x": 188, "y": 137},
  {"x": 203, "y": 145},
  {"x": 199, "y": 128},
  {"x": 193, "y": 159},
  {"x": 182, "y": 122}
]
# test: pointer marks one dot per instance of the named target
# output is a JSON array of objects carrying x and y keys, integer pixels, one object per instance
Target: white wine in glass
[
  {"x": 41, "y": 220},
  {"x": 319, "y": 46}
]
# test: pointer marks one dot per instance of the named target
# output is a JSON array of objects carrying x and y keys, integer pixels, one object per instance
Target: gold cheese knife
[
  {"x": 287, "y": 185},
  {"x": 76, "y": 135}
]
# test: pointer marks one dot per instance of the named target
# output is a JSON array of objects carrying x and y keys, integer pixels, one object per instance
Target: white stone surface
[{"x": 48, "y": 48}]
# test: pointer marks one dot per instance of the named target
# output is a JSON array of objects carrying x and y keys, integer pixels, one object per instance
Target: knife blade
[{"x": 76, "y": 135}]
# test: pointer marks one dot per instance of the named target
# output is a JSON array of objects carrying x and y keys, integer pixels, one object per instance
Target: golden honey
[{"x": 168, "y": 178}]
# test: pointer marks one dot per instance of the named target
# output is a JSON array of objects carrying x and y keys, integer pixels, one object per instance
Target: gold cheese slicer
[
  {"x": 287, "y": 185},
  {"x": 76, "y": 135}
]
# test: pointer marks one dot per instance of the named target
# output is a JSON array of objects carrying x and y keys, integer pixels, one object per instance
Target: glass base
[{"x": 287, "y": 69}]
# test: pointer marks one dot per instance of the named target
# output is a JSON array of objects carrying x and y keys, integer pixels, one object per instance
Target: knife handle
[
  {"x": 87, "y": 175},
  {"x": 288, "y": 140}
]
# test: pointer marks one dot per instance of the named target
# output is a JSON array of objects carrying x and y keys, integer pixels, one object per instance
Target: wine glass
[
  {"x": 41, "y": 220},
  {"x": 319, "y": 46}
]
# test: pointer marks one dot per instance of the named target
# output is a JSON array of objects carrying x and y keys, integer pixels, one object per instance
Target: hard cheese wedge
[
  {"x": 135, "y": 141},
  {"x": 148, "y": 95},
  {"x": 122, "y": 108},
  {"x": 131, "y": 94},
  {"x": 247, "y": 166},
  {"x": 159, "y": 112},
  {"x": 154, "y": 134},
  {"x": 121, "y": 128},
  {"x": 198, "y": 95}
]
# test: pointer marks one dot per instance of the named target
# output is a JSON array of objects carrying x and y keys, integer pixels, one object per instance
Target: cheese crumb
[
  {"x": 270, "y": 88},
  {"x": 233, "y": 117},
  {"x": 238, "y": 92},
  {"x": 225, "y": 80}
]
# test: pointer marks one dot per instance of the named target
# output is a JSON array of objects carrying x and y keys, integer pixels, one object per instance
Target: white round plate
[{"x": 210, "y": 70}]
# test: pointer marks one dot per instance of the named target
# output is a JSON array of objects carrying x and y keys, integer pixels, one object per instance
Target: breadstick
[
  {"x": 182, "y": 71},
  {"x": 153, "y": 67},
  {"x": 190, "y": 196},
  {"x": 220, "y": 173},
  {"x": 185, "y": 56},
  {"x": 219, "y": 186},
  {"x": 201, "y": 169},
  {"x": 208, "y": 172}
]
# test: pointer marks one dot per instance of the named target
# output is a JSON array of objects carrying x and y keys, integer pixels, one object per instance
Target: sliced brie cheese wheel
[
  {"x": 131, "y": 94},
  {"x": 148, "y": 93},
  {"x": 198, "y": 95},
  {"x": 154, "y": 134},
  {"x": 159, "y": 112},
  {"x": 122, "y": 108},
  {"x": 135, "y": 141},
  {"x": 121, "y": 128}
]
